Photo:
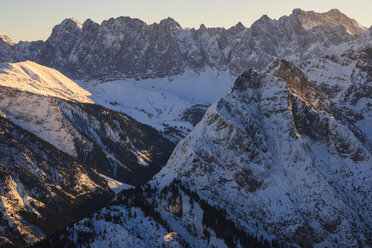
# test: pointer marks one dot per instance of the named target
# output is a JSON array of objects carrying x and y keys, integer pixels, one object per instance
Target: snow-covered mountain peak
[
  {"x": 249, "y": 79},
  {"x": 264, "y": 20},
  {"x": 120, "y": 23},
  {"x": 333, "y": 17},
  {"x": 67, "y": 26},
  {"x": 170, "y": 22},
  {"x": 6, "y": 39},
  {"x": 90, "y": 27},
  {"x": 72, "y": 20},
  {"x": 34, "y": 78},
  {"x": 90, "y": 21},
  {"x": 238, "y": 27},
  {"x": 273, "y": 158}
]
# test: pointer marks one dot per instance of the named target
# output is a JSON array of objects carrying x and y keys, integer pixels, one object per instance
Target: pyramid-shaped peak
[
  {"x": 68, "y": 25},
  {"x": 239, "y": 25},
  {"x": 169, "y": 21},
  {"x": 265, "y": 18},
  {"x": 249, "y": 79}
]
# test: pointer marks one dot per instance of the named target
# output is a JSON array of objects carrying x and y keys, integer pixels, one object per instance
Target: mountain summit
[{"x": 277, "y": 156}]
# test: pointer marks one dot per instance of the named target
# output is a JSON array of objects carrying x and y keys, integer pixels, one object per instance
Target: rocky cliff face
[
  {"x": 41, "y": 188},
  {"x": 279, "y": 156},
  {"x": 344, "y": 76},
  {"x": 130, "y": 48},
  {"x": 57, "y": 49},
  {"x": 24, "y": 50},
  {"x": 334, "y": 17}
]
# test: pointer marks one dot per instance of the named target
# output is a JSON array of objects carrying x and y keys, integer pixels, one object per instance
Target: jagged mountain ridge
[
  {"x": 334, "y": 17},
  {"x": 56, "y": 109},
  {"x": 23, "y": 50},
  {"x": 42, "y": 189},
  {"x": 275, "y": 154},
  {"x": 159, "y": 102},
  {"x": 130, "y": 48}
]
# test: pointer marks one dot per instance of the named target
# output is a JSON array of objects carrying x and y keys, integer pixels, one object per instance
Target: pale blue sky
[{"x": 34, "y": 19}]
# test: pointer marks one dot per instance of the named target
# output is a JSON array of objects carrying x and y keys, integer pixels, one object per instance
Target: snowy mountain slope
[
  {"x": 112, "y": 143},
  {"x": 129, "y": 48},
  {"x": 32, "y": 77},
  {"x": 345, "y": 76},
  {"x": 172, "y": 107},
  {"x": 56, "y": 109},
  {"x": 277, "y": 157},
  {"x": 40, "y": 182},
  {"x": 41, "y": 188}
]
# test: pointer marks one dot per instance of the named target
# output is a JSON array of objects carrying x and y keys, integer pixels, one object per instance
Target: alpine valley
[{"x": 128, "y": 134}]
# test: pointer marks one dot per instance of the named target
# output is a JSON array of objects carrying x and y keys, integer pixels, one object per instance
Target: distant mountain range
[
  {"x": 279, "y": 157},
  {"x": 130, "y": 48}
]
